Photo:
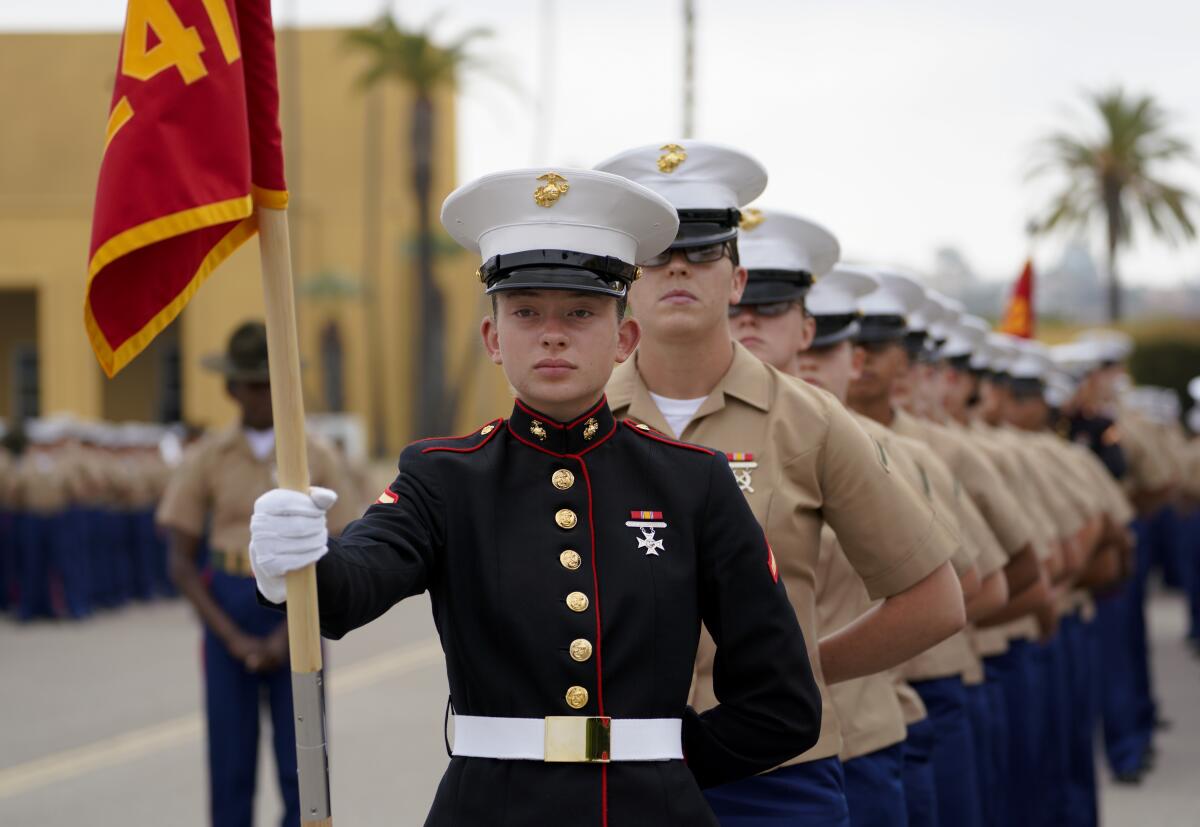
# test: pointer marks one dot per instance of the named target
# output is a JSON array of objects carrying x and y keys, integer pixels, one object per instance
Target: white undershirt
[
  {"x": 677, "y": 412},
  {"x": 262, "y": 443}
]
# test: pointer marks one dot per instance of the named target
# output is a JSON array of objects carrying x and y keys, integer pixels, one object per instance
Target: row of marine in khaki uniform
[
  {"x": 76, "y": 504},
  {"x": 1039, "y": 523}
]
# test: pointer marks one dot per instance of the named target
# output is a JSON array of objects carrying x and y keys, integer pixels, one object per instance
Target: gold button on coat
[
  {"x": 487, "y": 429},
  {"x": 570, "y": 559},
  {"x": 566, "y": 518},
  {"x": 577, "y": 697},
  {"x": 577, "y": 602},
  {"x": 581, "y": 650},
  {"x": 562, "y": 479}
]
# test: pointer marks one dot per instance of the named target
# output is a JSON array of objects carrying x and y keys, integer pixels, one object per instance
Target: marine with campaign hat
[
  {"x": 813, "y": 464},
  {"x": 205, "y": 511},
  {"x": 571, "y": 557}
]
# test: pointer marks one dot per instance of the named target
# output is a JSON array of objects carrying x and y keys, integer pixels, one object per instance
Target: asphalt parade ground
[{"x": 103, "y": 723}]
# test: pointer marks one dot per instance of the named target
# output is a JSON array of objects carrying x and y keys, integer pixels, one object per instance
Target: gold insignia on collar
[
  {"x": 589, "y": 430},
  {"x": 537, "y": 430},
  {"x": 547, "y": 194},
  {"x": 673, "y": 155},
  {"x": 751, "y": 218}
]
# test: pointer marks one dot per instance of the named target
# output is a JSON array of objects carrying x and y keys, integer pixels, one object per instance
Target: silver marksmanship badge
[
  {"x": 647, "y": 522},
  {"x": 742, "y": 464}
]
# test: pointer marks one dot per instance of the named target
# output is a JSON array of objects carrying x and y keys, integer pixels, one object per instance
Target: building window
[
  {"x": 26, "y": 391},
  {"x": 332, "y": 373},
  {"x": 170, "y": 402}
]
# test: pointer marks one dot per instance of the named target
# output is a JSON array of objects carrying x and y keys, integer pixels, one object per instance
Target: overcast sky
[{"x": 902, "y": 126}]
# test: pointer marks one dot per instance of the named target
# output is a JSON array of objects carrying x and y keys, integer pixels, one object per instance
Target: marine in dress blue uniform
[{"x": 571, "y": 563}]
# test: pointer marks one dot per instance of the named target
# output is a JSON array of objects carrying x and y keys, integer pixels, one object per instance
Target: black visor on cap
[
  {"x": 767, "y": 286},
  {"x": 834, "y": 329},
  {"x": 881, "y": 328},
  {"x": 1026, "y": 388},
  {"x": 914, "y": 342},
  {"x": 700, "y": 227},
  {"x": 558, "y": 270},
  {"x": 962, "y": 362}
]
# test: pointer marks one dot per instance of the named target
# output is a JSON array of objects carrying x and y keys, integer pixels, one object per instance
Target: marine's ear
[
  {"x": 489, "y": 331},
  {"x": 629, "y": 333}
]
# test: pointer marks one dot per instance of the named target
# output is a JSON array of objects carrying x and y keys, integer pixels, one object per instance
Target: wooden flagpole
[{"x": 287, "y": 399}]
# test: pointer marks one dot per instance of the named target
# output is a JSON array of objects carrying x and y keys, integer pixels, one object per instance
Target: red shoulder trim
[
  {"x": 657, "y": 437},
  {"x": 494, "y": 425}
]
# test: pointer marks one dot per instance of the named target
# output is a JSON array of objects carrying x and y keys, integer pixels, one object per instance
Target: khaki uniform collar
[
  {"x": 747, "y": 379},
  {"x": 233, "y": 439}
]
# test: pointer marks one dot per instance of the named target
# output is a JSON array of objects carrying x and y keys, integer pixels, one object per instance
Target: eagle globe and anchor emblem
[{"x": 647, "y": 522}]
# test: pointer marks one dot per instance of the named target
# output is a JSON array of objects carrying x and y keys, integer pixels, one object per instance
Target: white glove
[{"x": 287, "y": 532}]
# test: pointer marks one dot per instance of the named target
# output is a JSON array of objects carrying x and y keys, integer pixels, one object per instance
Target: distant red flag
[
  {"x": 192, "y": 144},
  {"x": 1018, "y": 318}
]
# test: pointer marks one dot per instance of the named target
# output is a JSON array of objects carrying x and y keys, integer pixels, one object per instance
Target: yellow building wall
[{"x": 50, "y": 149}]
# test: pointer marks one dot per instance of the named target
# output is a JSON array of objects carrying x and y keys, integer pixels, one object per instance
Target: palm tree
[
  {"x": 418, "y": 64},
  {"x": 1113, "y": 176}
]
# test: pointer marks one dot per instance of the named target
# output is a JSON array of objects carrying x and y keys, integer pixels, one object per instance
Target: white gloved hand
[{"x": 287, "y": 532}]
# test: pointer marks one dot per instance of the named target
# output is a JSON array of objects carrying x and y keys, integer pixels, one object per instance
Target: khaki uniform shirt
[
  {"x": 875, "y": 710},
  {"x": 868, "y": 708},
  {"x": 1147, "y": 469},
  {"x": 1012, "y": 472},
  {"x": 811, "y": 463},
  {"x": 221, "y": 478},
  {"x": 42, "y": 484},
  {"x": 975, "y": 473},
  {"x": 955, "y": 655}
]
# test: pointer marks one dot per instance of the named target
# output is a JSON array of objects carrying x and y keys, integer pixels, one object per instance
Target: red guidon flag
[
  {"x": 192, "y": 144},
  {"x": 1018, "y": 318}
]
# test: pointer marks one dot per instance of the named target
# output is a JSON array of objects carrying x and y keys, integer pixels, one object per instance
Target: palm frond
[
  {"x": 414, "y": 56},
  {"x": 1111, "y": 174}
]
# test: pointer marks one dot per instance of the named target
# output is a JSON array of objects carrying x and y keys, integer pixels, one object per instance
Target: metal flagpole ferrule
[{"x": 308, "y": 703}]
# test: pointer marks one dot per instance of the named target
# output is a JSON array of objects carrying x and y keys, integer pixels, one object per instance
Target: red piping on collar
[
  {"x": 537, "y": 447},
  {"x": 540, "y": 417},
  {"x": 659, "y": 438},
  {"x": 469, "y": 449}
]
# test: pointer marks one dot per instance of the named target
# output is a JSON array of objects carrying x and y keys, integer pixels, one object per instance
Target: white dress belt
[{"x": 568, "y": 738}]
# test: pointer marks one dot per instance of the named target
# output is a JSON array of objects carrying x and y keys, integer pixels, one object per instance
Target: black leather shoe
[{"x": 1130, "y": 778}]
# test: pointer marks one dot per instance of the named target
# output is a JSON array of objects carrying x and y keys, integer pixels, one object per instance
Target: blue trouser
[
  {"x": 920, "y": 787},
  {"x": 953, "y": 751},
  {"x": 1189, "y": 544},
  {"x": 1125, "y": 703},
  {"x": 100, "y": 541},
  {"x": 979, "y": 716},
  {"x": 1082, "y": 808},
  {"x": 35, "y": 555},
  {"x": 996, "y": 794},
  {"x": 1014, "y": 674},
  {"x": 232, "y": 700},
  {"x": 812, "y": 793},
  {"x": 1165, "y": 551},
  {"x": 1147, "y": 708},
  {"x": 875, "y": 788},
  {"x": 1125, "y": 742},
  {"x": 8, "y": 531},
  {"x": 73, "y": 563},
  {"x": 1050, "y": 662}
]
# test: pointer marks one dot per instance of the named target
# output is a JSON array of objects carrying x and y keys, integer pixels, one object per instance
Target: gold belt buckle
[{"x": 578, "y": 739}]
